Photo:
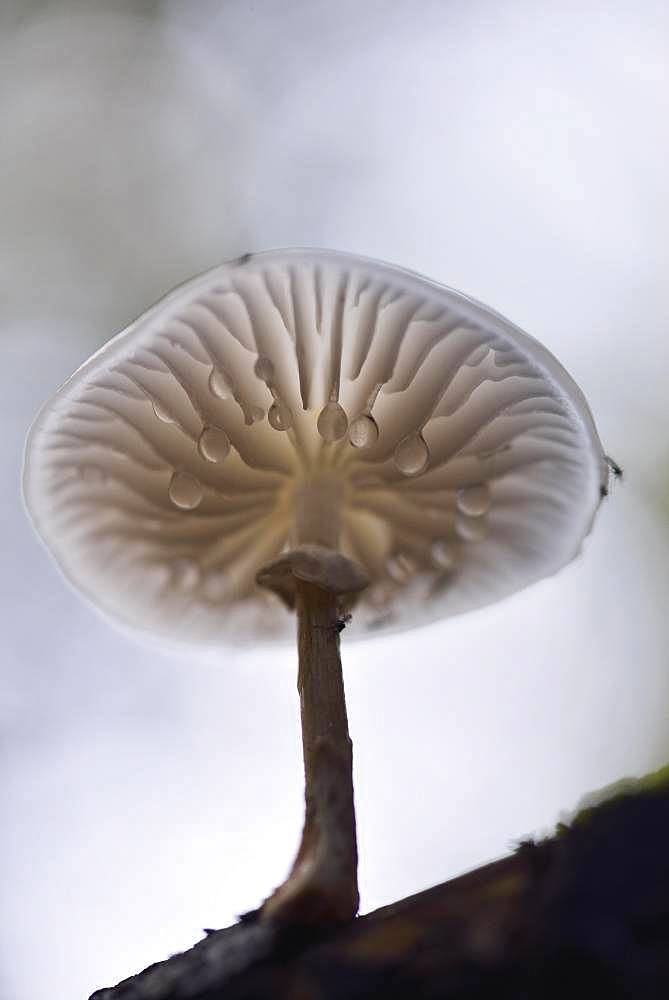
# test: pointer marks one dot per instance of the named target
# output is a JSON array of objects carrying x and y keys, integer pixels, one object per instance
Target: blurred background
[{"x": 514, "y": 150}]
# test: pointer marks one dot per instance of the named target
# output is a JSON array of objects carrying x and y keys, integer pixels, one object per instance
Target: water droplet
[
  {"x": 364, "y": 431},
  {"x": 256, "y": 414},
  {"x": 471, "y": 529},
  {"x": 162, "y": 413},
  {"x": 474, "y": 500},
  {"x": 93, "y": 475},
  {"x": 412, "y": 455},
  {"x": 332, "y": 422},
  {"x": 401, "y": 567},
  {"x": 213, "y": 444},
  {"x": 220, "y": 384},
  {"x": 279, "y": 416},
  {"x": 264, "y": 369},
  {"x": 185, "y": 573},
  {"x": 185, "y": 491}
]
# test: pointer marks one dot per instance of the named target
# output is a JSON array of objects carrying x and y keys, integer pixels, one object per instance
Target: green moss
[{"x": 656, "y": 781}]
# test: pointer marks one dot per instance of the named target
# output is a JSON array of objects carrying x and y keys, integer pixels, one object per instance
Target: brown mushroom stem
[{"x": 322, "y": 887}]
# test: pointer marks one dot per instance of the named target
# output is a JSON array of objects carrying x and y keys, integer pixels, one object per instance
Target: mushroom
[{"x": 312, "y": 430}]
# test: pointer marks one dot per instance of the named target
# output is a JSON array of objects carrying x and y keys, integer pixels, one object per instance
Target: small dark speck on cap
[{"x": 244, "y": 259}]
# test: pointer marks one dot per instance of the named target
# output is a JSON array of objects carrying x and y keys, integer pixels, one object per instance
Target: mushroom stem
[
  {"x": 322, "y": 887},
  {"x": 318, "y": 502}
]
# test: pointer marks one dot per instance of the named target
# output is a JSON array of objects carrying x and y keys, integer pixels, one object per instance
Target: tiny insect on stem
[{"x": 339, "y": 625}]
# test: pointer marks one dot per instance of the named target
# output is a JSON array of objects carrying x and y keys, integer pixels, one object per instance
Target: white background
[{"x": 515, "y": 150}]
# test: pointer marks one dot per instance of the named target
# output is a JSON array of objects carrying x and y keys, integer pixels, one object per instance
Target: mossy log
[{"x": 584, "y": 913}]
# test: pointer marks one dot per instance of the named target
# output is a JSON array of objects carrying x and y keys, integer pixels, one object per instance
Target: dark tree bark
[{"x": 585, "y": 913}]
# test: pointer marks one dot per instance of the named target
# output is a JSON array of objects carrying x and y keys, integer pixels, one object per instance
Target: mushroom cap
[{"x": 461, "y": 458}]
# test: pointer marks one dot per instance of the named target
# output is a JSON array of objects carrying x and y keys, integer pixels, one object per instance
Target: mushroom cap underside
[{"x": 462, "y": 460}]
